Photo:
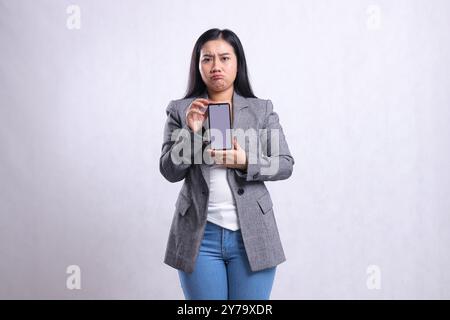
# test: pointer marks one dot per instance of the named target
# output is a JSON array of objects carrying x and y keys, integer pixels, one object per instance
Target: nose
[
  {"x": 214, "y": 70},
  {"x": 215, "y": 66}
]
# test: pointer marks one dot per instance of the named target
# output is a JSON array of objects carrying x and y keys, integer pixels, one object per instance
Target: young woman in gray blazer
[{"x": 223, "y": 238}]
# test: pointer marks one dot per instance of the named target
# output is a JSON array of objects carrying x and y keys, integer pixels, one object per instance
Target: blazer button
[{"x": 240, "y": 191}]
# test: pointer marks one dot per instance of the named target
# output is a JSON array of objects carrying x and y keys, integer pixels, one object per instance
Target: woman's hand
[
  {"x": 196, "y": 114},
  {"x": 234, "y": 158}
]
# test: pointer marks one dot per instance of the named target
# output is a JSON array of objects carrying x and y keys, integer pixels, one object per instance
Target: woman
[{"x": 223, "y": 239}]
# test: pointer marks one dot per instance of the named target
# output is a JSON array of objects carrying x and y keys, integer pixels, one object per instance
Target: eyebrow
[{"x": 221, "y": 54}]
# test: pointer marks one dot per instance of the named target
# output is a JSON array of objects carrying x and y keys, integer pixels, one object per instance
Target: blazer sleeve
[
  {"x": 174, "y": 162},
  {"x": 272, "y": 162}
]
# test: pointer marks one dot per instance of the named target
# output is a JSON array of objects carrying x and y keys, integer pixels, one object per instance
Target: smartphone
[{"x": 219, "y": 118}]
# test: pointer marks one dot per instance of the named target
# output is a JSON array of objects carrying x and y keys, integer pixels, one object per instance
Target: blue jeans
[{"x": 222, "y": 270}]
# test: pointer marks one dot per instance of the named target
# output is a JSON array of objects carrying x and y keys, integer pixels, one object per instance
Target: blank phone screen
[{"x": 220, "y": 119}]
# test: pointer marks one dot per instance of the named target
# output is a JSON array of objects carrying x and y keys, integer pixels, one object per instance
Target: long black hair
[{"x": 196, "y": 86}]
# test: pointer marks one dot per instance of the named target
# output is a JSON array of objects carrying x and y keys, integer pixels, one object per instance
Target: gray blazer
[{"x": 254, "y": 205}]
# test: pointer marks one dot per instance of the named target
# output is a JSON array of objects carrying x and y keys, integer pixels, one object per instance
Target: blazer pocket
[
  {"x": 265, "y": 203},
  {"x": 183, "y": 203}
]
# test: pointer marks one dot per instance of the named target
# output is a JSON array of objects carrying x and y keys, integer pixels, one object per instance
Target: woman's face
[{"x": 218, "y": 65}]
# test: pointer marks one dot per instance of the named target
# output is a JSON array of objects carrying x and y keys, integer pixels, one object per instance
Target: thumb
[{"x": 235, "y": 144}]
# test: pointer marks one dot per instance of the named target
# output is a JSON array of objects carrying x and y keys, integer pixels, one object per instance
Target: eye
[{"x": 226, "y": 58}]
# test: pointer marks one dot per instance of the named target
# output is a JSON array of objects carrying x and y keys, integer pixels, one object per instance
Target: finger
[
  {"x": 194, "y": 116},
  {"x": 235, "y": 145},
  {"x": 198, "y": 106},
  {"x": 224, "y": 156},
  {"x": 230, "y": 156},
  {"x": 218, "y": 156},
  {"x": 212, "y": 153},
  {"x": 202, "y": 102},
  {"x": 194, "y": 111}
]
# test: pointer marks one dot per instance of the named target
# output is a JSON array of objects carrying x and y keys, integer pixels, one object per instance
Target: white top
[{"x": 221, "y": 204}]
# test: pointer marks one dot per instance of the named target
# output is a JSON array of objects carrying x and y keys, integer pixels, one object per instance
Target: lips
[{"x": 217, "y": 77}]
